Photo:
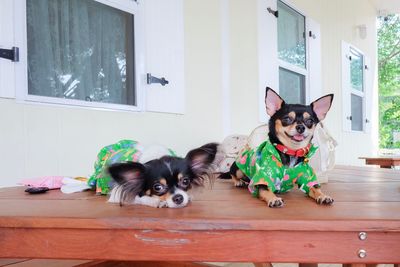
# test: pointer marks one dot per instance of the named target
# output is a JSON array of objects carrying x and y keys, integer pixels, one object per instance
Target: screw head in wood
[
  {"x": 362, "y": 253},
  {"x": 362, "y": 235}
]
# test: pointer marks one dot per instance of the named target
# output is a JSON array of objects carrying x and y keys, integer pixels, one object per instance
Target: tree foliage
[{"x": 389, "y": 79}]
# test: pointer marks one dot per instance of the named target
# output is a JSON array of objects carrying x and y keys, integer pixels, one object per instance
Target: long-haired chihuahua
[{"x": 162, "y": 182}]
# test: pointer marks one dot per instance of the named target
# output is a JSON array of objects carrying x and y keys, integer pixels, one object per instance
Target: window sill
[{"x": 76, "y": 104}]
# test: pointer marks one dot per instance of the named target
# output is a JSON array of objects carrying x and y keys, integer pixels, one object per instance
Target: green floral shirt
[
  {"x": 124, "y": 150},
  {"x": 263, "y": 166}
]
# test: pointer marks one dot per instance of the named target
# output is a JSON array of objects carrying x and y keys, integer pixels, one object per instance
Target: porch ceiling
[{"x": 386, "y": 7}]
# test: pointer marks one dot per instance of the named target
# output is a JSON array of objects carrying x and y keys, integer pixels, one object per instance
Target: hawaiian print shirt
[
  {"x": 263, "y": 166},
  {"x": 124, "y": 150}
]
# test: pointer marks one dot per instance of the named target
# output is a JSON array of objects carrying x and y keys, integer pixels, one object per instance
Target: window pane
[
  {"x": 356, "y": 70},
  {"x": 356, "y": 113},
  {"x": 291, "y": 36},
  {"x": 80, "y": 49},
  {"x": 291, "y": 86}
]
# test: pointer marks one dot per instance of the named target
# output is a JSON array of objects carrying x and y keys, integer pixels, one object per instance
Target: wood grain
[
  {"x": 383, "y": 162},
  {"x": 221, "y": 224}
]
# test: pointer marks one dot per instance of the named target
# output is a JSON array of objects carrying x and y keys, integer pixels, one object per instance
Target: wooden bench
[
  {"x": 224, "y": 224},
  {"x": 386, "y": 162}
]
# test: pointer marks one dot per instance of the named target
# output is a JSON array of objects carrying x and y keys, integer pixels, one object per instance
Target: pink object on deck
[{"x": 52, "y": 182}]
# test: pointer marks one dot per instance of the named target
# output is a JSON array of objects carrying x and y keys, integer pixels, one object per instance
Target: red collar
[{"x": 297, "y": 153}]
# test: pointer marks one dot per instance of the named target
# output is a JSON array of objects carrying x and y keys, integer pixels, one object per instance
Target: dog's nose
[
  {"x": 300, "y": 128},
  {"x": 177, "y": 199}
]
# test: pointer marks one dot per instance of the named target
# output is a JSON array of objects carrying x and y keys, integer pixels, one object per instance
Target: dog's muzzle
[{"x": 178, "y": 200}]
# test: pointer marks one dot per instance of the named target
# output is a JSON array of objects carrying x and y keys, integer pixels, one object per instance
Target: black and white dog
[{"x": 162, "y": 182}]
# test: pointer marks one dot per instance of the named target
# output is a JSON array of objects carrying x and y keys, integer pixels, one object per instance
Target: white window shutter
[
  {"x": 369, "y": 85},
  {"x": 346, "y": 90},
  {"x": 314, "y": 54},
  {"x": 7, "y": 67},
  {"x": 164, "y": 55},
  {"x": 267, "y": 52}
]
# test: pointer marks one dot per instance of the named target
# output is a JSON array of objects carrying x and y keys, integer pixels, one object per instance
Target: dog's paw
[
  {"x": 276, "y": 202},
  {"x": 239, "y": 183},
  {"x": 324, "y": 200},
  {"x": 162, "y": 204}
]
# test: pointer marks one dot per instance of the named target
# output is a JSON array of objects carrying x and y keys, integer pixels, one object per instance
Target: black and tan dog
[
  {"x": 281, "y": 162},
  {"x": 163, "y": 181}
]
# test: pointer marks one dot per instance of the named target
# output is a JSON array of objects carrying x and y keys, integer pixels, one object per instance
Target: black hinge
[
  {"x": 151, "y": 79},
  {"x": 11, "y": 54},
  {"x": 312, "y": 35},
  {"x": 366, "y": 67},
  {"x": 273, "y": 12}
]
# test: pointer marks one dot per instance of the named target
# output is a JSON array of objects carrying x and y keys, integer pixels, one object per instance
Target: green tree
[{"x": 389, "y": 79}]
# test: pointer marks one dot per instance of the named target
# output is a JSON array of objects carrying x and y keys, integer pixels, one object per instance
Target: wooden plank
[
  {"x": 6, "y": 262},
  {"x": 49, "y": 262},
  {"x": 210, "y": 246},
  {"x": 383, "y": 162},
  {"x": 363, "y": 169},
  {"x": 373, "y": 206},
  {"x": 222, "y": 224},
  {"x": 252, "y": 214},
  {"x": 90, "y": 263},
  {"x": 145, "y": 264},
  {"x": 366, "y": 175}
]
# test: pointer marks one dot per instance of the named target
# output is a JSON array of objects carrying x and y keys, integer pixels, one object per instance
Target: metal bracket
[
  {"x": 273, "y": 12},
  {"x": 151, "y": 79},
  {"x": 11, "y": 54}
]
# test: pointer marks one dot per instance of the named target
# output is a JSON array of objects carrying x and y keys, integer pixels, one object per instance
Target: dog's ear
[
  {"x": 273, "y": 101},
  {"x": 130, "y": 177},
  {"x": 126, "y": 171},
  {"x": 201, "y": 158},
  {"x": 322, "y": 105}
]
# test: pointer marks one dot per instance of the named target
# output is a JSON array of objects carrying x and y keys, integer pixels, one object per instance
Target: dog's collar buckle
[{"x": 296, "y": 153}]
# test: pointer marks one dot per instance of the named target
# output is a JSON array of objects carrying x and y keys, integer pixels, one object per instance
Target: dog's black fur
[
  {"x": 292, "y": 126},
  {"x": 164, "y": 176},
  {"x": 280, "y": 114},
  {"x": 302, "y": 123}
]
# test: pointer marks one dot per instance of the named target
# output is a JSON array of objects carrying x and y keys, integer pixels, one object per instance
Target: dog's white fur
[{"x": 152, "y": 201}]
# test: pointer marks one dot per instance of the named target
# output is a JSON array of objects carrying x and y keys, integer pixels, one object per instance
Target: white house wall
[
  {"x": 42, "y": 140},
  {"x": 338, "y": 20},
  {"x": 38, "y": 140}
]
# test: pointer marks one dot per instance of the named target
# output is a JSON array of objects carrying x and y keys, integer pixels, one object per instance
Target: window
[
  {"x": 289, "y": 54},
  {"x": 97, "y": 53},
  {"x": 356, "y": 89},
  {"x": 80, "y": 50},
  {"x": 292, "y": 54}
]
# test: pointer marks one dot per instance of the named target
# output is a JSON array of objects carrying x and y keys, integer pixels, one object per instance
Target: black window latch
[
  {"x": 273, "y": 12},
  {"x": 151, "y": 79},
  {"x": 11, "y": 54}
]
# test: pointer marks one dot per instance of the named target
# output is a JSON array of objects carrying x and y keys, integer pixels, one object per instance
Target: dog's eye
[
  {"x": 287, "y": 120},
  {"x": 157, "y": 187},
  {"x": 309, "y": 123},
  {"x": 185, "y": 181}
]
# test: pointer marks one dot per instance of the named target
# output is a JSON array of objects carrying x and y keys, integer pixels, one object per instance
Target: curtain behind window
[{"x": 80, "y": 49}]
